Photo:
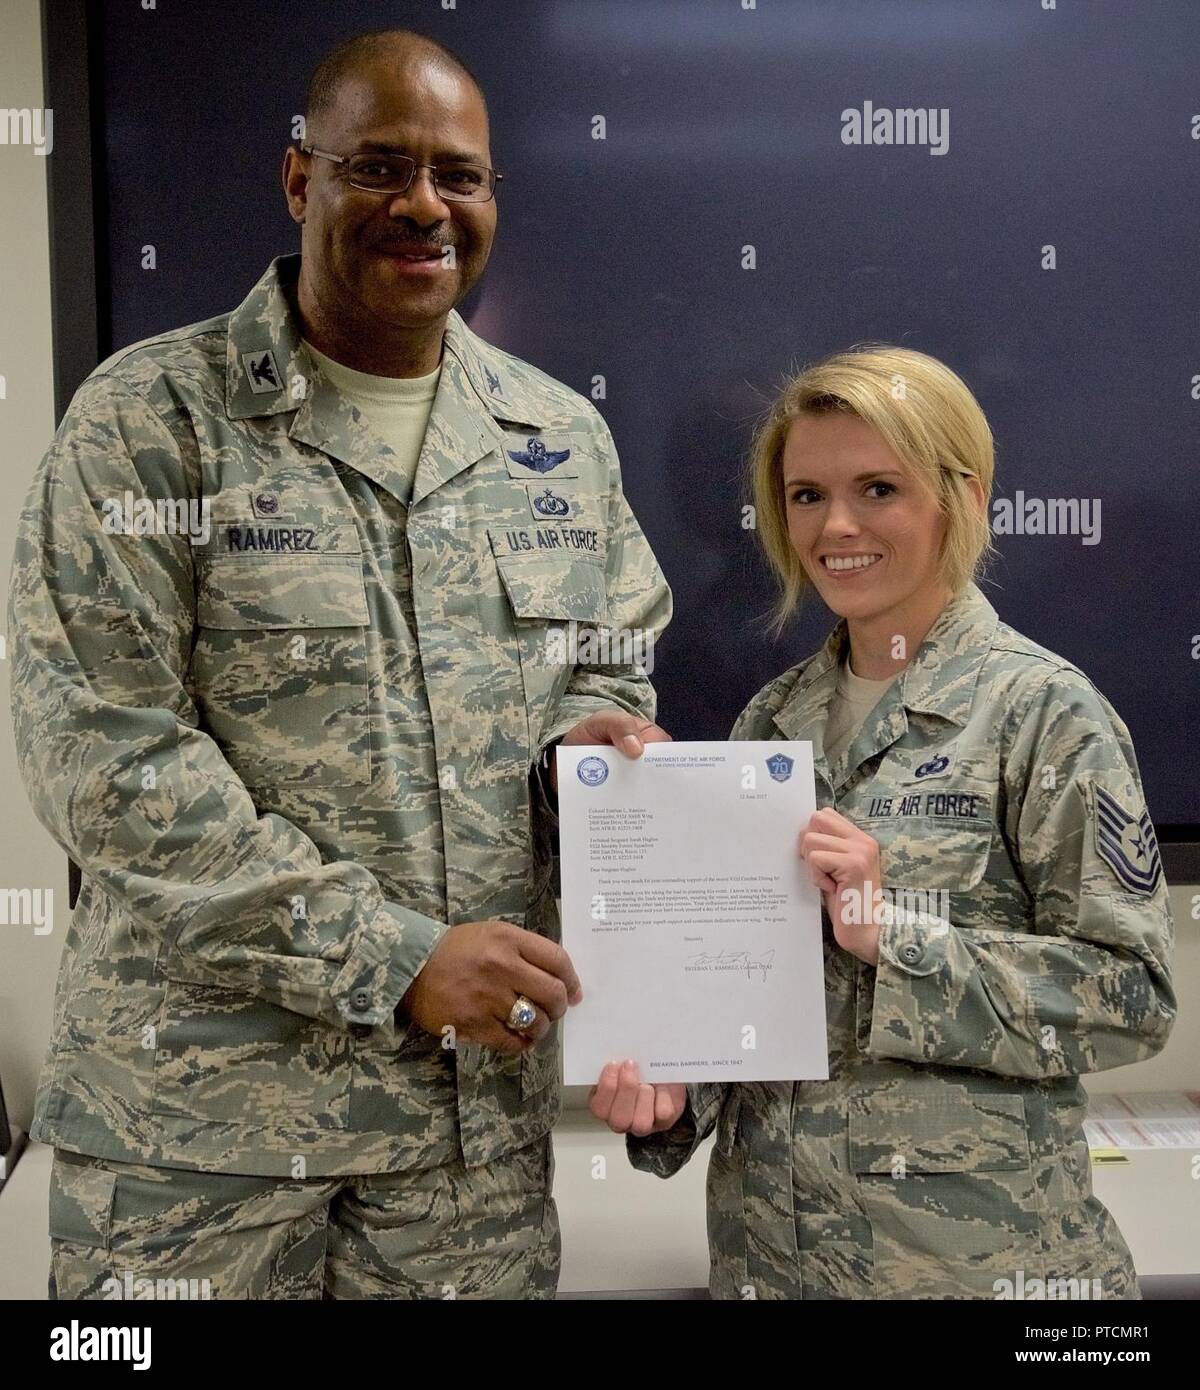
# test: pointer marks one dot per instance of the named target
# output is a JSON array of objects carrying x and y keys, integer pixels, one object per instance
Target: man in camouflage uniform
[
  {"x": 296, "y": 754},
  {"x": 1027, "y": 940}
]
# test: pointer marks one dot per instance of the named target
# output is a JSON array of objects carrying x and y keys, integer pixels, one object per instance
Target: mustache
[{"x": 412, "y": 243}]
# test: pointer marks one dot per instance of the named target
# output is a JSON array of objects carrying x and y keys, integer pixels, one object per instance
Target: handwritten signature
[{"x": 734, "y": 960}]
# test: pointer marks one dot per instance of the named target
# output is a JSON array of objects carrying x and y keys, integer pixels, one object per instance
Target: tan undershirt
[
  {"x": 397, "y": 408},
  {"x": 852, "y": 702}
]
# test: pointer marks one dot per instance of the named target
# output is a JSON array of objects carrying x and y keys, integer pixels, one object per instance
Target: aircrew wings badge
[
  {"x": 535, "y": 455},
  {"x": 1126, "y": 845}
]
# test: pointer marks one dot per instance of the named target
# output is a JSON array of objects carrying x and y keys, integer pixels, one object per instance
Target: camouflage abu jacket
[
  {"x": 1030, "y": 943},
  {"x": 287, "y": 750}
]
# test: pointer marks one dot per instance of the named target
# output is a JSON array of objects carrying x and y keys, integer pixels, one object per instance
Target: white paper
[
  {"x": 688, "y": 913},
  {"x": 1144, "y": 1120}
]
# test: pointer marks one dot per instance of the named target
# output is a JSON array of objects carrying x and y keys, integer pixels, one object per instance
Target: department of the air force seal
[
  {"x": 592, "y": 771},
  {"x": 1126, "y": 845},
  {"x": 535, "y": 455},
  {"x": 780, "y": 767}
]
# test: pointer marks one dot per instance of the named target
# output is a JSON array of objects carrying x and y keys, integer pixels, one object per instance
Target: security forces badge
[{"x": 1126, "y": 844}]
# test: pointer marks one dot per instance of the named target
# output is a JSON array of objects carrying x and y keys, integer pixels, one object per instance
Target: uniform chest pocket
[
  {"x": 556, "y": 602},
  {"x": 544, "y": 589},
  {"x": 280, "y": 667},
  {"x": 928, "y": 854}
]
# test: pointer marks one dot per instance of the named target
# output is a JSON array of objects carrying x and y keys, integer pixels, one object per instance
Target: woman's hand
[
  {"x": 843, "y": 861},
  {"x": 628, "y": 1106}
]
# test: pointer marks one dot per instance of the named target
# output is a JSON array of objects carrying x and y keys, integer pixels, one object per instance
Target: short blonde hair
[{"x": 928, "y": 418}]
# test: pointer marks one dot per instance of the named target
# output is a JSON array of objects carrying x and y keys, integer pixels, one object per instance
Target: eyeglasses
[{"x": 394, "y": 173}]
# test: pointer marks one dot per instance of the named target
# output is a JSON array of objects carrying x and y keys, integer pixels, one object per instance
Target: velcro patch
[
  {"x": 293, "y": 540},
  {"x": 549, "y": 505},
  {"x": 932, "y": 766},
  {"x": 587, "y": 541},
  {"x": 1127, "y": 844},
  {"x": 262, "y": 375},
  {"x": 538, "y": 456}
]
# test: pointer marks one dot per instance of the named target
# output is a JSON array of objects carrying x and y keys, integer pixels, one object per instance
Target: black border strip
[{"x": 1181, "y": 857}]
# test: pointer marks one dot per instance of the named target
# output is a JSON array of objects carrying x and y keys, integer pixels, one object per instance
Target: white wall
[{"x": 28, "y": 857}]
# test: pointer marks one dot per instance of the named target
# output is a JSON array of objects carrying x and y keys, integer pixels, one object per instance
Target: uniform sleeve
[
  {"x": 639, "y": 608},
  {"x": 665, "y": 1153},
  {"x": 1087, "y": 985},
  {"x": 118, "y": 769}
]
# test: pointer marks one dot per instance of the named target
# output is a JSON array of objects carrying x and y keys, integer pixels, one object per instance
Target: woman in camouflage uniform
[{"x": 1023, "y": 934}]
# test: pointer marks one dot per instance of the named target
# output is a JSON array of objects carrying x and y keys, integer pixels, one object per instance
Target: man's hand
[
  {"x": 628, "y": 732},
  {"x": 843, "y": 861},
  {"x": 628, "y": 1106},
  {"x": 474, "y": 975}
]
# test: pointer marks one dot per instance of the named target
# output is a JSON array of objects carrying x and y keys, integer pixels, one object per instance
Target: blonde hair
[{"x": 928, "y": 418}]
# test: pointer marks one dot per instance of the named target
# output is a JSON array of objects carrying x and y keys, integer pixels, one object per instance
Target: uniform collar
[
  {"x": 939, "y": 680},
  {"x": 269, "y": 371}
]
